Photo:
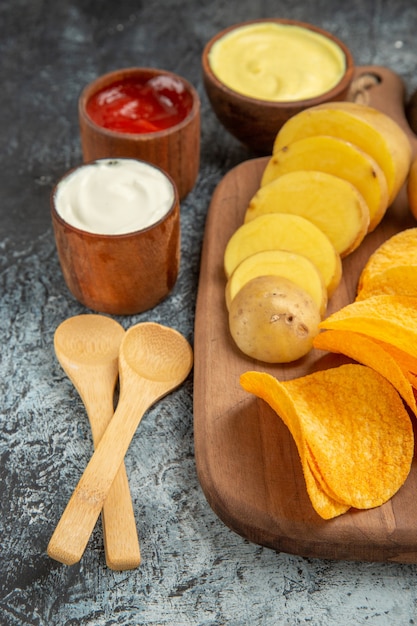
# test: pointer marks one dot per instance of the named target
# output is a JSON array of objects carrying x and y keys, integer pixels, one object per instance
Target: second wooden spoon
[{"x": 87, "y": 347}]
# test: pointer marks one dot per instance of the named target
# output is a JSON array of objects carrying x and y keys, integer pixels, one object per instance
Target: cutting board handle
[{"x": 383, "y": 89}]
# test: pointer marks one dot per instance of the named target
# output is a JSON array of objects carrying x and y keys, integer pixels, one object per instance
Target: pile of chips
[
  {"x": 353, "y": 434},
  {"x": 379, "y": 329},
  {"x": 350, "y": 424}
]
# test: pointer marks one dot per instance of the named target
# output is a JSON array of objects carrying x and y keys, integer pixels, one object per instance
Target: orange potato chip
[
  {"x": 321, "y": 482},
  {"x": 373, "y": 353},
  {"x": 399, "y": 249},
  {"x": 397, "y": 280},
  {"x": 406, "y": 361},
  {"x": 413, "y": 380},
  {"x": 352, "y": 426},
  {"x": 391, "y": 319},
  {"x": 324, "y": 501},
  {"x": 264, "y": 386},
  {"x": 358, "y": 430}
]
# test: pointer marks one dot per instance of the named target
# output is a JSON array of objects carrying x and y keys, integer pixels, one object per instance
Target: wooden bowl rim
[
  {"x": 235, "y": 96},
  {"x": 108, "y": 78},
  {"x": 116, "y": 237}
]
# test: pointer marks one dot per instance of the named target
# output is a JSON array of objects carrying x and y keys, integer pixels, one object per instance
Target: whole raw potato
[{"x": 273, "y": 320}]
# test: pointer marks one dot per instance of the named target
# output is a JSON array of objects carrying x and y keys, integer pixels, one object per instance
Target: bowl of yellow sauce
[{"x": 257, "y": 74}]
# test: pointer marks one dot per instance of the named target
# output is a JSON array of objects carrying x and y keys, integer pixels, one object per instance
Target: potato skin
[{"x": 272, "y": 320}]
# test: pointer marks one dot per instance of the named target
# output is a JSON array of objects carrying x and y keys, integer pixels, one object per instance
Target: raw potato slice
[
  {"x": 290, "y": 265},
  {"x": 340, "y": 158},
  {"x": 372, "y": 353},
  {"x": 400, "y": 249},
  {"x": 391, "y": 319},
  {"x": 280, "y": 231},
  {"x": 333, "y": 204},
  {"x": 371, "y": 130}
]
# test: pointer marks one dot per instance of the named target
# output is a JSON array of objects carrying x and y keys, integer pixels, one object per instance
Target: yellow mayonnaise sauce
[{"x": 277, "y": 62}]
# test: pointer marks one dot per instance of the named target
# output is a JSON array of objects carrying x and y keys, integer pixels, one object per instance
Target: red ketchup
[{"x": 135, "y": 106}]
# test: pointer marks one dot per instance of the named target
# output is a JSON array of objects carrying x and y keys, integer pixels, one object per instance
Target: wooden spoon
[
  {"x": 153, "y": 360},
  {"x": 87, "y": 347}
]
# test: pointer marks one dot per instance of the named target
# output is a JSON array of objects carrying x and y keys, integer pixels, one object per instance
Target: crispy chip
[
  {"x": 391, "y": 319},
  {"x": 413, "y": 381},
  {"x": 373, "y": 353},
  {"x": 321, "y": 481},
  {"x": 265, "y": 386},
  {"x": 398, "y": 280},
  {"x": 358, "y": 430},
  {"x": 351, "y": 427},
  {"x": 400, "y": 249},
  {"x": 406, "y": 361}
]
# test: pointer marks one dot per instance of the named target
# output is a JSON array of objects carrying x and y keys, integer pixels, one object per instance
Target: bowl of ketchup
[{"x": 143, "y": 113}]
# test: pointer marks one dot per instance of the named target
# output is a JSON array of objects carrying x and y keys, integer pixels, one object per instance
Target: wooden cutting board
[{"x": 247, "y": 463}]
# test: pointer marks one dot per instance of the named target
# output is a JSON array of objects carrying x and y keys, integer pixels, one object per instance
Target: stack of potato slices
[{"x": 334, "y": 171}]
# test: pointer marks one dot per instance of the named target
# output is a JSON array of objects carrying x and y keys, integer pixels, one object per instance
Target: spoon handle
[
  {"x": 77, "y": 522},
  {"x": 121, "y": 542}
]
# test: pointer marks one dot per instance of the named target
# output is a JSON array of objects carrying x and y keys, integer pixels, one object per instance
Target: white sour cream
[{"x": 114, "y": 196}]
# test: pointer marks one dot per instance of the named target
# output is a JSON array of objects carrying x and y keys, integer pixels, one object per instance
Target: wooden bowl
[
  {"x": 175, "y": 150},
  {"x": 119, "y": 274},
  {"x": 256, "y": 122}
]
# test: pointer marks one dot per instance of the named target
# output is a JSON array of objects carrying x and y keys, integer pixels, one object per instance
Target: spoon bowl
[
  {"x": 87, "y": 347},
  {"x": 153, "y": 361},
  {"x": 88, "y": 341},
  {"x": 145, "y": 352}
]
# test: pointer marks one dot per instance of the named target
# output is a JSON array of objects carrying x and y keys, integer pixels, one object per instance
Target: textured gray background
[{"x": 195, "y": 570}]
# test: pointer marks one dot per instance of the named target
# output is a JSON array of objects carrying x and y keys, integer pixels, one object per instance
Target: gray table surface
[{"x": 194, "y": 570}]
